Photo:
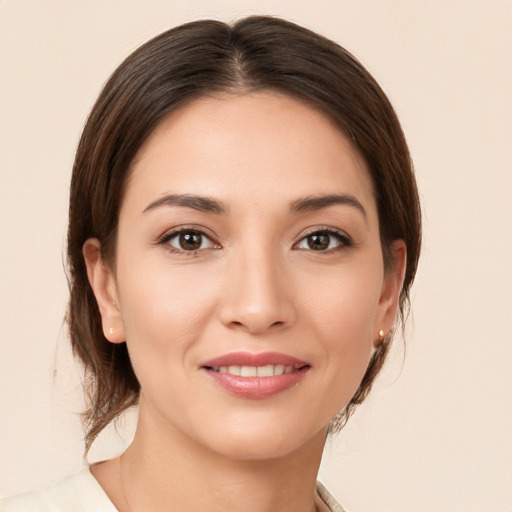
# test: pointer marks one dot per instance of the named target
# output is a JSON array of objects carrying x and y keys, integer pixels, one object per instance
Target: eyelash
[
  {"x": 344, "y": 240},
  {"x": 184, "y": 230}
]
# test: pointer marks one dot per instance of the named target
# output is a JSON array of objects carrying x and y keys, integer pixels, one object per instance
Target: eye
[
  {"x": 188, "y": 240},
  {"x": 323, "y": 240}
]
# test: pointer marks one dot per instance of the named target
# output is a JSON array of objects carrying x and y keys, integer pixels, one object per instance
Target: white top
[{"x": 81, "y": 492}]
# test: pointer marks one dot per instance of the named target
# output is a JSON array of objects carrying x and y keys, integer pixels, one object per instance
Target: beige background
[{"x": 436, "y": 433}]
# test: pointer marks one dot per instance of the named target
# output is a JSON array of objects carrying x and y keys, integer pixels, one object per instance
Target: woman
[{"x": 244, "y": 230}]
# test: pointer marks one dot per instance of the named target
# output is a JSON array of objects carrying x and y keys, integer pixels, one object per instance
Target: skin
[{"x": 255, "y": 285}]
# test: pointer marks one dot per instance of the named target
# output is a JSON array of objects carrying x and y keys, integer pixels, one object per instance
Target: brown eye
[
  {"x": 324, "y": 241},
  {"x": 318, "y": 242},
  {"x": 189, "y": 241}
]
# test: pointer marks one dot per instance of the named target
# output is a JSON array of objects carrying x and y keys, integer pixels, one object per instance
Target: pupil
[
  {"x": 318, "y": 242},
  {"x": 190, "y": 241}
]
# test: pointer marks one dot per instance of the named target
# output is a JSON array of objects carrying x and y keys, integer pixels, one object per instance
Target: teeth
[
  {"x": 234, "y": 370},
  {"x": 248, "y": 371},
  {"x": 268, "y": 370},
  {"x": 278, "y": 369},
  {"x": 265, "y": 371}
]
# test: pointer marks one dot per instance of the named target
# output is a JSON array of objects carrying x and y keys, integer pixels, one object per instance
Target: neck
[{"x": 172, "y": 471}]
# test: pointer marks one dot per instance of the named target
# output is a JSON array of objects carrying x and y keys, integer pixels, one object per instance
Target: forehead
[{"x": 258, "y": 147}]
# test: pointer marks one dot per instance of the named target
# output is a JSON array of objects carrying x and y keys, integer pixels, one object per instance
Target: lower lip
[{"x": 257, "y": 387}]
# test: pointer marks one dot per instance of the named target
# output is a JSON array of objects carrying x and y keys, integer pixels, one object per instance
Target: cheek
[
  {"x": 342, "y": 317},
  {"x": 164, "y": 310},
  {"x": 344, "y": 304}
]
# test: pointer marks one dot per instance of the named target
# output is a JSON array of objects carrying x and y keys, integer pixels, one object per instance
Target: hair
[{"x": 208, "y": 58}]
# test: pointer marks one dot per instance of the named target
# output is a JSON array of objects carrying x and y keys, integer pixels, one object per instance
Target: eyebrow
[
  {"x": 210, "y": 205},
  {"x": 312, "y": 203},
  {"x": 200, "y": 203}
]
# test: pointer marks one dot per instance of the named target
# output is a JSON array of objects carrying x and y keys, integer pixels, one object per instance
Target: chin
[{"x": 263, "y": 439}]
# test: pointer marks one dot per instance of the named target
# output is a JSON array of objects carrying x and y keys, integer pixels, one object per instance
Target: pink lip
[
  {"x": 249, "y": 359},
  {"x": 256, "y": 387}
]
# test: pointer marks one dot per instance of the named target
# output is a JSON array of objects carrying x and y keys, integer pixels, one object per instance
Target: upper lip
[{"x": 250, "y": 359}]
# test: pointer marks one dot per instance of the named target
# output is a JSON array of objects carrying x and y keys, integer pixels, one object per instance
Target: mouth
[
  {"x": 256, "y": 376},
  {"x": 269, "y": 370}
]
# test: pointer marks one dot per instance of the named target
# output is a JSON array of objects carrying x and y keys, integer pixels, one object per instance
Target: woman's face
[{"x": 249, "y": 281}]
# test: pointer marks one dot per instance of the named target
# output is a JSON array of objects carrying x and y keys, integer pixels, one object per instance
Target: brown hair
[{"x": 207, "y": 58}]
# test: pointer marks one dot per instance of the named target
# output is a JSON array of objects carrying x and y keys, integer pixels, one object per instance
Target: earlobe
[
  {"x": 390, "y": 294},
  {"x": 104, "y": 287}
]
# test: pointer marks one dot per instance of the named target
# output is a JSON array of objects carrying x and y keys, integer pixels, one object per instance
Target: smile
[
  {"x": 255, "y": 376},
  {"x": 268, "y": 370}
]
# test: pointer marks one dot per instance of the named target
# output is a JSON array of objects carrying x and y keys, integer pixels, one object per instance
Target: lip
[
  {"x": 250, "y": 359},
  {"x": 255, "y": 387}
]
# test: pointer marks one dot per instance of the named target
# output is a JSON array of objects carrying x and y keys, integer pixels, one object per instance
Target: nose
[{"x": 257, "y": 294}]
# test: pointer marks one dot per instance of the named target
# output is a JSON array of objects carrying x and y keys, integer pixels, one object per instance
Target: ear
[
  {"x": 390, "y": 294},
  {"x": 103, "y": 284}
]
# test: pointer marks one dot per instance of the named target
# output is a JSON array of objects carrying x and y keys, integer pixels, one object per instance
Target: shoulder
[
  {"x": 79, "y": 492},
  {"x": 328, "y": 499}
]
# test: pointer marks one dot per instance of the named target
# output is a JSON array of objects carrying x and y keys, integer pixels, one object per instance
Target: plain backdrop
[{"x": 436, "y": 433}]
